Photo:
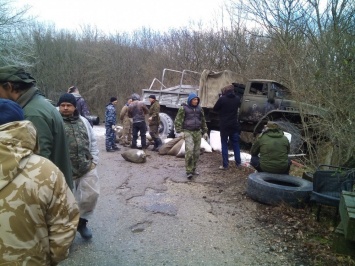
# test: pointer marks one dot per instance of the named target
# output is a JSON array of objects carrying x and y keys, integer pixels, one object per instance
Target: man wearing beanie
[
  {"x": 110, "y": 122},
  {"x": 19, "y": 86},
  {"x": 84, "y": 156},
  {"x": 154, "y": 121},
  {"x": 38, "y": 203}
]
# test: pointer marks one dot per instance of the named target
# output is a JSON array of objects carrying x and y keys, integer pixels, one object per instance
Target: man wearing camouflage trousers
[
  {"x": 154, "y": 121},
  {"x": 127, "y": 125},
  {"x": 110, "y": 122},
  {"x": 190, "y": 122}
]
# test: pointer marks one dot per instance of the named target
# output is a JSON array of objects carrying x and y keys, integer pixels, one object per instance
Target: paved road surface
[{"x": 148, "y": 214}]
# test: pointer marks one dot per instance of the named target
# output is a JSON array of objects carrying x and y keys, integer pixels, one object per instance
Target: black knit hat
[
  {"x": 67, "y": 98},
  {"x": 152, "y": 97},
  {"x": 113, "y": 99}
]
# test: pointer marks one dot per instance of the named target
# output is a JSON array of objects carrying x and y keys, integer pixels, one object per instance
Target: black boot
[
  {"x": 155, "y": 145},
  {"x": 159, "y": 144},
  {"x": 83, "y": 230}
]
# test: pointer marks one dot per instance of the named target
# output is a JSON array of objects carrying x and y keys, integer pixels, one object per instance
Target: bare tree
[{"x": 13, "y": 48}]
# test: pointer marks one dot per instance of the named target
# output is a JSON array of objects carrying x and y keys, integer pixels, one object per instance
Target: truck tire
[
  {"x": 274, "y": 189},
  {"x": 296, "y": 139},
  {"x": 166, "y": 126}
]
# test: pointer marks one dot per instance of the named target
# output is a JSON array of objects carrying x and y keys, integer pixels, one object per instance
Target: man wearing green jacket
[
  {"x": 154, "y": 121},
  {"x": 19, "y": 86},
  {"x": 270, "y": 151}
]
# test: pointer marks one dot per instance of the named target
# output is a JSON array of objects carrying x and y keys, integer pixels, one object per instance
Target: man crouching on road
[
  {"x": 273, "y": 147},
  {"x": 84, "y": 156}
]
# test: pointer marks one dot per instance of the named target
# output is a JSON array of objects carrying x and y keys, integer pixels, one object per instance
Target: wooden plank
[{"x": 347, "y": 214}]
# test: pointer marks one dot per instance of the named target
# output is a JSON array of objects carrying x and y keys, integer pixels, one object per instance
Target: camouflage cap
[
  {"x": 272, "y": 125},
  {"x": 15, "y": 74}
]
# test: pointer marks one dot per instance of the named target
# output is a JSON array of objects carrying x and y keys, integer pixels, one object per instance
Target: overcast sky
[{"x": 124, "y": 15}]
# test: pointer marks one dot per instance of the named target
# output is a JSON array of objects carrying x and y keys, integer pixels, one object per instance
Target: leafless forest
[{"x": 308, "y": 45}]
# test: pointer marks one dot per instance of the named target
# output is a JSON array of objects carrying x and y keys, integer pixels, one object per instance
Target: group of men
[
  {"x": 48, "y": 161},
  {"x": 269, "y": 152},
  {"x": 55, "y": 203},
  {"x": 133, "y": 118}
]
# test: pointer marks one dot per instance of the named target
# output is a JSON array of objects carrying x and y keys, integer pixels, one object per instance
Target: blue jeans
[{"x": 234, "y": 139}]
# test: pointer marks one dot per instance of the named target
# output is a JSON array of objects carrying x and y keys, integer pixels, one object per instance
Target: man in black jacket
[{"x": 227, "y": 107}]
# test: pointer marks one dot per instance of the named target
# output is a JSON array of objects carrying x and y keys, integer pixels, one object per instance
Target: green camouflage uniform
[
  {"x": 38, "y": 212},
  {"x": 154, "y": 123},
  {"x": 192, "y": 132},
  {"x": 84, "y": 158},
  {"x": 127, "y": 126}
]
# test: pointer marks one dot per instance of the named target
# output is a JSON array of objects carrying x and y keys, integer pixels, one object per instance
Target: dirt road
[{"x": 150, "y": 214}]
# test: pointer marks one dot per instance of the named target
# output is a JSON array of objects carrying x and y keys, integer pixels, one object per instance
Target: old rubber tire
[
  {"x": 166, "y": 126},
  {"x": 274, "y": 189}
]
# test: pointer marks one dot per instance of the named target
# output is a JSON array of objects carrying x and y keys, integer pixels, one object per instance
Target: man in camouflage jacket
[
  {"x": 190, "y": 122},
  {"x": 110, "y": 122},
  {"x": 154, "y": 121},
  {"x": 127, "y": 124},
  {"x": 38, "y": 212},
  {"x": 84, "y": 156}
]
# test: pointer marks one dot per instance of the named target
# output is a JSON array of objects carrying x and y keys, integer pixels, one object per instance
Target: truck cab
[{"x": 261, "y": 97}]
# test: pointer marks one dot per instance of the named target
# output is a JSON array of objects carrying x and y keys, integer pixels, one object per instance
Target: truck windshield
[{"x": 281, "y": 91}]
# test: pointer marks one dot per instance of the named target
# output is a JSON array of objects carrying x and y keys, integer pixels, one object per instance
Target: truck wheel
[
  {"x": 274, "y": 189},
  {"x": 296, "y": 139},
  {"x": 166, "y": 126}
]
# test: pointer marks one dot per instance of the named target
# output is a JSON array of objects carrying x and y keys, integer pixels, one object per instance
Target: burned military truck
[{"x": 261, "y": 100}]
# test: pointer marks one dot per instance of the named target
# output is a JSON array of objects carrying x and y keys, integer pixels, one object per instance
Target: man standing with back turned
[
  {"x": 227, "y": 106},
  {"x": 273, "y": 148},
  {"x": 137, "y": 111}
]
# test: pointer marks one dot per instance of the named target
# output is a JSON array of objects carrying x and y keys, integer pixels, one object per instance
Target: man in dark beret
[{"x": 19, "y": 86}]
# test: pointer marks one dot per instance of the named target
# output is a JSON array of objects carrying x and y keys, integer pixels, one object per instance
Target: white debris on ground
[
  {"x": 99, "y": 131},
  {"x": 214, "y": 144}
]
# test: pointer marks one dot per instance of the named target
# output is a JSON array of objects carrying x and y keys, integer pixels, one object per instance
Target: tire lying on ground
[{"x": 274, "y": 189}]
